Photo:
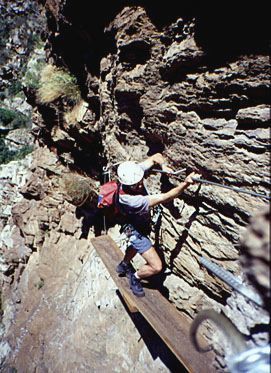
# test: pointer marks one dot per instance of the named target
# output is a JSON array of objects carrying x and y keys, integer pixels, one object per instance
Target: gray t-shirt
[{"x": 136, "y": 207}]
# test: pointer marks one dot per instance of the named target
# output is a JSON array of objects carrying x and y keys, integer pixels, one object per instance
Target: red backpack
[{"x": 108, "y": 197}]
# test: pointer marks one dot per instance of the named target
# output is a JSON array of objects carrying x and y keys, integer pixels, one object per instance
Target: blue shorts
[{"x": 137, "y": 240}]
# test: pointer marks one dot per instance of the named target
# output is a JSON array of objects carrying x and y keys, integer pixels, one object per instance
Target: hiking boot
[
  {"x": 123, "y": 268},
  {"x": 136, "y": 286}
]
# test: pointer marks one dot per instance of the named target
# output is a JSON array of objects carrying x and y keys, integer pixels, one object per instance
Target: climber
[{"x": 135, "y": 206}]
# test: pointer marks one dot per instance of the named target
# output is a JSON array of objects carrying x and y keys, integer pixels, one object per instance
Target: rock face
[
  {"x": 21, "y": 23},
  {"x": 59, "y": 288},
  {"x": 154, "y": 80},
  {"x": 21, "y": 27},
  {"x": 255, "y": 257}
]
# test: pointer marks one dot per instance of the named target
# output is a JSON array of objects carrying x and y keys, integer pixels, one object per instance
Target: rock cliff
[{"x": 152, "y": 79}]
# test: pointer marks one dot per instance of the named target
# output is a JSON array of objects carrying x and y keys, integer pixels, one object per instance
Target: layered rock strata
[{"x": 154, "y": 82}]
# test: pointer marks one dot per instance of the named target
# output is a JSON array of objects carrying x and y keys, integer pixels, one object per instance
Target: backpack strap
[
  {"x": 117, "y": 204},
  {"x": 116, "y": 199}
]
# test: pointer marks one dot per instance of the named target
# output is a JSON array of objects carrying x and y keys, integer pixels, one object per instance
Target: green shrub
[
  {"x": 56, "y": 83},
  {"x": 6, "y": 116},
  {"x": 23, "y": 152},
  {"x": 32, "y": 76},
  {"x": 15, "y": 88},
  {"x": 36, "y": 41},
  {"x": 4, "y": 32},
  {"x": 7, "y": 155},
  {"x": 13, "y": 118},
  {"x": 21, "y": 121}
]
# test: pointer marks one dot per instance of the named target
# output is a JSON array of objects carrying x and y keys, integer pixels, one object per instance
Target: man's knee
[
  {"x": 157, "y": 267},
  {"x": 153, "y": 260}
]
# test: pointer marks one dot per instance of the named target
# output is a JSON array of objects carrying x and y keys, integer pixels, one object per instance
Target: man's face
[{"x": 138, "y": 187}]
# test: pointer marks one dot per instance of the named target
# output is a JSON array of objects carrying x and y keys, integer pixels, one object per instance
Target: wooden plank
[
  {"x": 170, "y": 325},
  {"x": 131, "y": 305}
]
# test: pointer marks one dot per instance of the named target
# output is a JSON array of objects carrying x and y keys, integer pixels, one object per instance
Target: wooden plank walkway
[{"x": 170, "y": 324}]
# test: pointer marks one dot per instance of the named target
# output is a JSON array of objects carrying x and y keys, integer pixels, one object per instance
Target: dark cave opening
[{"x": 83, "y": 39}]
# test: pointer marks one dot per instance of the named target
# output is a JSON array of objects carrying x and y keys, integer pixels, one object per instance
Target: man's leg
[
  {"x": 153, "y": 265},
  {"x": 124, "y": 266},
  {"x": 142, "y": 245},
  {"x": 129, "y": 254}
]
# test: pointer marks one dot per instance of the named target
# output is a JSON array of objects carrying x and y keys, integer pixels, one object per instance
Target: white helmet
[{"x": 130, "y": 173}]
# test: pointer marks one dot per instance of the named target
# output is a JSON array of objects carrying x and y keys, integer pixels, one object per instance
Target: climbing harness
[
  {"x": 157, "y": 214},
  {"x": 157, "y": 211},
  {"x": 231, "y": 280}
]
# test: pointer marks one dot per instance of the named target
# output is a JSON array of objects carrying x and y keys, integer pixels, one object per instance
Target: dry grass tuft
[
  {"x": 77, "y": 113},
  {"x": 56, "y": 83},
  {"x": 79, "y": 190}
]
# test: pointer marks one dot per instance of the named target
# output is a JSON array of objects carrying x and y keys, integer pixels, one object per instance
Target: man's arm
[
  {"x": 157, "y": 199},
  {"x": 156, "y": 159}
]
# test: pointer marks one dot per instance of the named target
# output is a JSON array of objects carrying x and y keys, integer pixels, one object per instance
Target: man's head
[{"x": 130, "y": 174}]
